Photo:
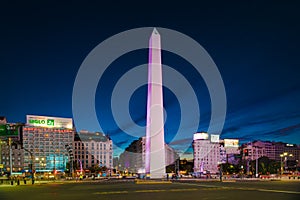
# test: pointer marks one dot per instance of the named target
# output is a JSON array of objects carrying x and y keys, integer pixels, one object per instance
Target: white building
[
  {"x": 92, "y": 149},
  {"x": 206, "y": 154}
]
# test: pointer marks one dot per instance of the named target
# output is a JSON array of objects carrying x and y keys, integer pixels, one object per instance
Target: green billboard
[
  {"x": 9, "y": 129},
  {"x": 3, "y": 130}
]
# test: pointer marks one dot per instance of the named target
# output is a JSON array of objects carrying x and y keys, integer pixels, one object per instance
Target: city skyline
[{"x": 254, "y": 48}]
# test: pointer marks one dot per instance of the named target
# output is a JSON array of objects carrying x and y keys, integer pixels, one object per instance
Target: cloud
[{"x": 184, "y": 141}]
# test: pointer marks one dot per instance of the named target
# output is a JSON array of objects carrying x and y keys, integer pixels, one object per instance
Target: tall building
[
  {"x": 44, "y": 142},
  {"x": 206, "y": 154},
  {"x": 133, "y": 158},
  {"x": 92, "y": 149},
  {"x": 155, "y": 143}
]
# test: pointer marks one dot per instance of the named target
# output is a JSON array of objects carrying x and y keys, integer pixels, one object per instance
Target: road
[{"x": 177, "y": 190}]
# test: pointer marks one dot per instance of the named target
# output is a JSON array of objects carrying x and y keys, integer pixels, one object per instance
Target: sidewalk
[{"x": 7, "y": 183}]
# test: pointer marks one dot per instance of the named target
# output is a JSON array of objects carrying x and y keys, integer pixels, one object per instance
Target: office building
[
  {"x": 44, "y": 143},
  {"x": 91, "y": 149},
  {"x": 206, "y": 154}
]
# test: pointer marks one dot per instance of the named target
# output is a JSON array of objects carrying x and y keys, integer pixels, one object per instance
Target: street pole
[
  {"x": 248, "y": 166},
  {"x": 281, "y": 165},
  {"x": 32, "y": 173},
  {"x": 71, "y": 167},
  {"x": 178, "y": 170},
  {"x": 256, "y": 163},
  {"x": 221, "y": 172},
  {"x": 10, "y": 157}
]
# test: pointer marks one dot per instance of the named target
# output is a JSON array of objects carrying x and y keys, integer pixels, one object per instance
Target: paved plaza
[{"x": 175, "y": 190}]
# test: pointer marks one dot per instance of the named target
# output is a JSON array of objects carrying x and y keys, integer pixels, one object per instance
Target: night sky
[{"x": 255, "y": 46}]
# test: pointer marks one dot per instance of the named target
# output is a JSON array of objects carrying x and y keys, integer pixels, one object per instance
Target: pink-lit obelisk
[{"x": 155, "y": 149}]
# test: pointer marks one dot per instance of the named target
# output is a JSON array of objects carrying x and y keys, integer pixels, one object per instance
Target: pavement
[
  {"x": 138, "y": 181},
  {"x": 128, "y": 189}
]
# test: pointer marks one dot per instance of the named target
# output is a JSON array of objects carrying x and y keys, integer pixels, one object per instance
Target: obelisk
[{"x": 155, "y": 149}]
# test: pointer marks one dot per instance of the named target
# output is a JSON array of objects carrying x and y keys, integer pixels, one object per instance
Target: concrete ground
[{"x": 128, "y": 189}]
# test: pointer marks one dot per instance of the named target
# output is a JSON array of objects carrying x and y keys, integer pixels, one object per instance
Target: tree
[
  {"x": 266, "y": 166},
  {"x": 230, "y": 168}
]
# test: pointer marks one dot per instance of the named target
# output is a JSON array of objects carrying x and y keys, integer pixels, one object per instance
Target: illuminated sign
[
  {"x": 49, "y": 122},
  {"x": 289, "y": 145},
  {"x": 231, "y": 143},
  {"x": 215, "y": 138},
  {"x": 200, "y": 136},
  {"x": 9, "y": 130},
  {"x": 3, "y": 129}
]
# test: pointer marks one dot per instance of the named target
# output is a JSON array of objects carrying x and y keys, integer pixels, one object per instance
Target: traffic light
[{"x": 246, "y": 152}]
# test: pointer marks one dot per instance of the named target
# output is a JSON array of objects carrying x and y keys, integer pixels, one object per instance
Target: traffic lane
[
  {"x": 164, "y": 193},
  {"x": 277, "y": 185},
  {"x": 133, "y": 191}
]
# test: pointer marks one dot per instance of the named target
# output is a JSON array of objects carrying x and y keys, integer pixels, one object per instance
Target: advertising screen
[
  {"x": 200, "y": 136},
  {"x": 9, "y": 130},
  {"x": 231, "y": 143},
  {"x": 49, "y": 122},
  {"x": 3, "y": 130},
  {"x": 214, "y": 138}
]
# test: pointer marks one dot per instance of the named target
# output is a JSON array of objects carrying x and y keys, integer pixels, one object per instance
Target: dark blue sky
[{"x": 254, "y": 44}]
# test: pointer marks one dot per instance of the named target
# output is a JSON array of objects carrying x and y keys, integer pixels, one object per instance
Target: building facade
[
  {"x": 10, "y": 135},
  {"x": 272, "y": 150},
  {"x": 17, "y": 157},
  {"x": 91, "y": 149},
  {"x": 44, "y": 143},
  {"x": 134, "y": 156},
  {"x": 206, "y": 154}
]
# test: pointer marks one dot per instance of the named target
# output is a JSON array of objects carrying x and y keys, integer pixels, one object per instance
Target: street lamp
[
  {"x": 256, "y": 160},
  {"x": 31, "y": 165},
  {"x": 284, "y": 155}
]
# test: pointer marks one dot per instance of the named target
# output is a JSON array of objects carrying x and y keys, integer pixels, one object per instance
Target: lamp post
[
  {"x": 10, "y": 156},
  {"x": 281, "y": 165},
  {"x": 256, "y": 164},
  {"x": 256, "y": 160},
  {"x": 286, "y": 164},
  {"x": 284, "y": 155},
  {"x": 31, "y": 165}
]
